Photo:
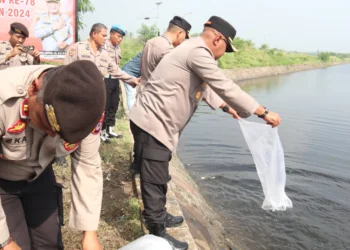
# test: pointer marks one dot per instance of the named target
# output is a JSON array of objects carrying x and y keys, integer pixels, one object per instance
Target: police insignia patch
[
  {"x": 18, "y": 127},
  {"x": 70, "y": 147},
  {"x": 71, "y": 52},
  {"x": 98, "y": 128},
  {"x": 25, "y": 108},
  {"x": 198, "y": 94},
  {"x": 51, "y": 116}
]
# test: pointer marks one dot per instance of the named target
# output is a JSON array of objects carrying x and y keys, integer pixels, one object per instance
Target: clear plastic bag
[
  {"x": 266, "y": 148},
  {"x": 148, "y": 242}
]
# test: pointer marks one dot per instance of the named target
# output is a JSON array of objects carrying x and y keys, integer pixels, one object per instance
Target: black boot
[
  {"x": 158, "y": 229},
  {"x": 173, "y": 221}
]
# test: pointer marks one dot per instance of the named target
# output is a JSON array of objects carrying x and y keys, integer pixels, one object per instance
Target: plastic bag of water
[
  {"x": 148, "y": 242},
  {"x": 266, "y": 148}
]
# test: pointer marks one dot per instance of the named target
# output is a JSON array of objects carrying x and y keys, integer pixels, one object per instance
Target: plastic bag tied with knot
[{"x": 266, "y": 148}]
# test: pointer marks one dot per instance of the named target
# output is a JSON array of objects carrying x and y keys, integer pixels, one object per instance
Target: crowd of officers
[{"x": 48, "y": 112}]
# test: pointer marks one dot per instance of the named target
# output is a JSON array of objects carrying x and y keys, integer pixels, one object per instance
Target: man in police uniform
[
  {"x": 92, "y": 50},
  {"x": 12, "y": 53},
  {"x": 167, "y": 103},
  {"x": 54, "y": 29},
  {"x": 156, "y": 48},
  {"x": 112, "y": 84},
  {"x": 46, "y": 112}
]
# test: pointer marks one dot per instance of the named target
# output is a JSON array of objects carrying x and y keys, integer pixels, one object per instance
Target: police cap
[
  {"x": 117, "y": 28},
  {"x": 224, "y": 28},
  {"x": 19, "y": 28},
  {"x": 74, "y": 100},
  {"x": 182, "y": 23}
]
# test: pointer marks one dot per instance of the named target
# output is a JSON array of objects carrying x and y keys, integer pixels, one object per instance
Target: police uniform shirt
[
  {"x": 176, "y": 87},
  {"x": 17, "y": 60},
  {"x": 83, "y": 51},
  {"x": 49, "y": 37},
  {"x": 114, "y": 52},
  {"x": 153, "y": 52},
  {"x": 25, "y": 151}
]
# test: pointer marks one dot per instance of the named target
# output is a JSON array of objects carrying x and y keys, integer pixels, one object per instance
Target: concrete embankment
[
  {"x": 258, "y": 72},
  {"x": 202, "y": 228}
]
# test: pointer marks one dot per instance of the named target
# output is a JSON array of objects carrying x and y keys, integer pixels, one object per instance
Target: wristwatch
[
  {"x": 264, "y": 114},
  {"x": 4, "y": 244},
  {"x": 226, "y": 108}
]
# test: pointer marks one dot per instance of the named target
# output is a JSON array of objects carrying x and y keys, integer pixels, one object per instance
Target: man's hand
[
  {"x": 137, "y": 81},
  {"x": 273, "y": 119},
  {"x": 35, "y": 54},
  {"x": 12, "y": 246},
  {"x": 61, "y": 44},
  {"x": 15, "y": 51},
  {"x": 234, "y": 114},
  {"x": 58, "y": 24},
  {"x": 90, "y": 241}
]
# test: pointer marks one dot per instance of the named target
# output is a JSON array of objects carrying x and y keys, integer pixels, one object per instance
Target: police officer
[
  {"x": 165, "y": 106},
  {"x": 43, "y": 115},
  {"x": 112, "y": 84},
  {"x": 54, "y": 29},
  {"x": 156, "y": 48},
  {"x": 93, "y": 50},
  {"x": 12, "y": 52}
]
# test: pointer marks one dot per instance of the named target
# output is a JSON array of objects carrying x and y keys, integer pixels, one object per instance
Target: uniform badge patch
[
  {"x": 198, "y": 94},
  {"x": 25, "y": 108},
  {"x": 71, "y": 52},
  {"x": 98, "y": 128},
  {"x": 17, "y": 128},
  {"x": 70, "y": 147}
]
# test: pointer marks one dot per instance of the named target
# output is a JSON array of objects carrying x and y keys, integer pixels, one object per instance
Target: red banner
[{"x": 51, "y": 24}]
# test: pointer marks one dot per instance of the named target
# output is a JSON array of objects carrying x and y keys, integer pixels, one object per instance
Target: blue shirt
[{"x": 133, "y": 66}]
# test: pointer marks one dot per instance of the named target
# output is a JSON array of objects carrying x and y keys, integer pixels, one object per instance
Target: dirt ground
[{"x": 120, "y": 215}]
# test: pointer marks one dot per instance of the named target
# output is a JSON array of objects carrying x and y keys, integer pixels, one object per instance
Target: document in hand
[{"x": 266, "y": 148}]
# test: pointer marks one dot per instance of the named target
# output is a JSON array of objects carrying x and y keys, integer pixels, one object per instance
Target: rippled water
[{"x": 315, "y": 110}]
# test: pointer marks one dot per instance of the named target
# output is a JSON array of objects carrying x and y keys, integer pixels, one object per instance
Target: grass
[{"x": 120, "y": 215}]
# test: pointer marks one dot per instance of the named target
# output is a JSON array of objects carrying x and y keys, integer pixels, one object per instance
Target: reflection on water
[{"x": 315, "y": 134}]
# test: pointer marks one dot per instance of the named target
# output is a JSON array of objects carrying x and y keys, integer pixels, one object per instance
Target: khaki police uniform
[
  {"x": 154, "y": 51},
  {"x": 50, "y": 37},
  {"x": 26, "y": 154},
  {"x": 164, "y": 107},
  {"x": 83, "y": 51},
  {"x": 18, "y": 60}
]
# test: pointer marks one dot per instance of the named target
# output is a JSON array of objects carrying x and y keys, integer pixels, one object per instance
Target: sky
[{"x": 298, "y": 25}]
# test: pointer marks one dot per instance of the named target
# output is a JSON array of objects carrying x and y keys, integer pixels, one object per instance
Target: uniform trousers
[
  {"x": 112, "y": 103},
  {"x": 152, "y": 158},
  {"x": 34, "y": 211}
]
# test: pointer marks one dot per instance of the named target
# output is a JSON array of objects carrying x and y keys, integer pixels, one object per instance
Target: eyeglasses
[
  {"x": 221, "y": 36},
  {"x": 228, "y": 42}
]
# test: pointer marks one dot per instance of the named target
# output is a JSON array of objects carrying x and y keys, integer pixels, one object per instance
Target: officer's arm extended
[
  {"x": 116, "y": 72},
  {"x": 203, "y": 64},
  {"x": 87, "y": 185}
]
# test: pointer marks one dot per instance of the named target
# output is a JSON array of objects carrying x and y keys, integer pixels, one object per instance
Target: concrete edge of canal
[{"x": 202, "y": 228}]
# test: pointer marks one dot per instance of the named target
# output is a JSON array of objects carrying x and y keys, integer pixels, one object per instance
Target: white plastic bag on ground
[
  {"x": 148, "y": 242},
  {"x": 266, "y": 148}
]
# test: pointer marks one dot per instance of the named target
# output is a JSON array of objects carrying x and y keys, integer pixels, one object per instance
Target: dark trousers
[
  {"x": 34, "y": 211},
  {"x": 112, "y": 103},
  {"x": 152, "y": 158}
]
